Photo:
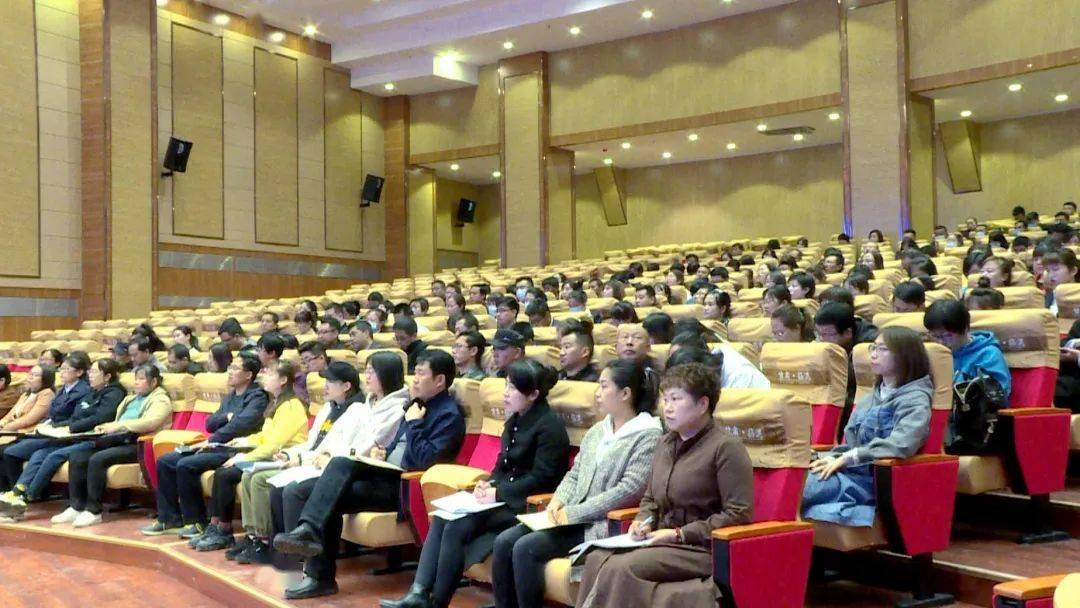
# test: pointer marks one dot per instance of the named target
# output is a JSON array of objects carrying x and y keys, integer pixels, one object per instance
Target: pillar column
[
  {"x": 117, "y": 56},
  {"x": 395, "y": 189},
  {"x": 561, "y": 210},
  {"x": 421, "y": 205}
]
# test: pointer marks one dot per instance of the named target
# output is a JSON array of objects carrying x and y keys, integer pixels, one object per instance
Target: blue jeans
[{"x": 44, "y": 463}]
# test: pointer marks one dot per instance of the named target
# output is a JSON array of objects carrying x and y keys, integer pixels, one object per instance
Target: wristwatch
[{"x": 678, "y": 535}]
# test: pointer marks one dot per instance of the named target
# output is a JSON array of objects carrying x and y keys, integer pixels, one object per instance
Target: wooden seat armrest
[
  {"x": 822, "y": 447},
  {"x": 917, "y": 459},
  {"x": 143, "y": 438},
  {"x": 623, "y": 514},
  {"x": 763, "y": 528},
  {"x": 1016, "y": 412},
  {"x": 539, "y": 500},
  {"x": 411, "y": 475},
  {"x": 1029, "y": 588}
]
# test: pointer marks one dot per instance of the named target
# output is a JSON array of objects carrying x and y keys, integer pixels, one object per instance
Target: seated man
[
  {"x": 360, "y": 337},
  {"x": 576, "y": 351},
  {"x": 329, "y": 332},
  {"x": 406, "y": 340},
  {"x": 121, "y": 354},
  {"x": 506, "y": 312},
  {"x": 139, "y": 351},
  {"x": 632, "y": 344},
  {"x": 431, "y": 433},
  {"x": 180, "y": 361},
  {"x": 478, "y": 293},
  {"x": 179, "y": 491},
  {"x": 578, "y": 300},
  {"x": 230, "y": 332},
  {"x": 865, "y": 331},
  {"x": 660, "y": 327},
  {"x": 836, "y": 323},
  {"x": 975, "y": 353},
  {"x": 507, "y": 346},
  {"x": 909, "y": 296},
  {"x": 644, "y": 295},
  {"x": 539, "y": 314},
  {"x": 268, "y": 323}
]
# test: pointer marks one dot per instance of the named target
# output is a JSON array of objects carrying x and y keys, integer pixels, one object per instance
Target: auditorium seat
[
  {"x": 866, "y": 306},
  {"x": 1054, "y": 591},
  {"x": 1067, "y": 297},
  {"x": 816, "y": 372},
  {"x": 756, "y": 331}
]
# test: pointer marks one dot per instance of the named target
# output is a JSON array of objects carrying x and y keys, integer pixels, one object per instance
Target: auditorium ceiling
[{"x": 992, "y": 100}]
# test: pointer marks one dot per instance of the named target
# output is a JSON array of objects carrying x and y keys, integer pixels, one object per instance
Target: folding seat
[
  {"x": 748, "y": 350},
  {"x": 1067, "y": 297},
  {"x": 9, "y": 352},
  {"x": 939, "y": 294},
  {"x": 765, "y": 564},
  {"x": 440, "y": 337},
  {"x": 1055, "y": 591},
  {"x": 869, "y": 305},
  {"x": 683, "y": 311},
  {"x": 835, "y": 279},
  {"x": 1023, "y": 297},
  {"x": 751, "y": 294},
  {"x": 189, "y": 425},
  {"x": 382, "y": 339},
  {"x": 716, "y": 327},
  {"x": 947, "y": 282},
  {"x": 755, "y": 330},
  {"x": 555, "y": 316},
  {"x": 43, "y": 335},
  {"x": 644, "y": 311},
  {"x": 432, "y": 322},
  {"x": 881, "y": 288},
  {"x": 746, "y": 310},
  {"x": 816, "y": 372},
  {"x": 93, "y": 324}
]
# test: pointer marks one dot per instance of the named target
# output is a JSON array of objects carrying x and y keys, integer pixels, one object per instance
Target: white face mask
[
  {"x": 520, "y": 293},
  {"x": 492, "y": 309},
  {"x": 374, "y": 326}
]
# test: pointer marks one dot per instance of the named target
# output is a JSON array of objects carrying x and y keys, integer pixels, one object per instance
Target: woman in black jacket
[
  {"x": 534, "y": 457},
  {"x": 98, "y": 407}
]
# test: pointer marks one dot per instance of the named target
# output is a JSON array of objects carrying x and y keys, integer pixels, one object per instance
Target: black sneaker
[
  {"x": 258, "y": 552},
  {"x": 193, "y": 541},
  {"x": 216, "y": 541},
  {"x": 238, "y": 548}
]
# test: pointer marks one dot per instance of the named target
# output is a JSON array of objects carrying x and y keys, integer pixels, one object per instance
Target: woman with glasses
[{"x": 891, "y": 422}]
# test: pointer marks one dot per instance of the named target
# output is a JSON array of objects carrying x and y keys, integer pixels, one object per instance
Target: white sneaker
[
  {"x": 66, "y": 517},
  {"x": 86, "y": 519},
  {"x": 9, "y": 497}
]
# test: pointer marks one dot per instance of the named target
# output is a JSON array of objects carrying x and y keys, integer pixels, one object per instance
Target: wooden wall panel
[
  {"x": 395, "y": 190},
  {"x": 19, "y": 191},
  {"x": 344, "y": 176},
  {"x": 461, "y": 118},
  {"x": 134, "y": 166},
  {"x": 960, "y": 140},
  {"x": 421, "y": 221},
  {"x": 488, "y": 210},
  {"x": 277, "y": 174},
  {"x": 522, "y": 176},
  {"x": 17, "y": 329},
  {"x": 448, "y": 237},
  {"x": 94, "y": 159},
  {"x": 198, "y": 197},
  {"x": 921, "y": 130},
  {"x": 560, "y": 211}
]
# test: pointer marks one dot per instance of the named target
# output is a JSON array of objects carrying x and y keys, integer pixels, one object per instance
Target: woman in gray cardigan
[{"x": 609, "y": 472}]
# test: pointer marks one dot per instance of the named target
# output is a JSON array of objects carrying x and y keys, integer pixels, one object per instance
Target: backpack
[{"x": 974, "y": 416}]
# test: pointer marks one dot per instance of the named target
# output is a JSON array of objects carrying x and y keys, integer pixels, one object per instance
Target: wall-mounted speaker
[
  {"x": 176, "y": 156},
  {"x": 372, "y": 190}
]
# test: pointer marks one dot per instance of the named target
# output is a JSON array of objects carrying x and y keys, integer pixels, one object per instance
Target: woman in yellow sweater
[
  {"x": 33, "y": 405},
  {"x": 286, "y": 425}
]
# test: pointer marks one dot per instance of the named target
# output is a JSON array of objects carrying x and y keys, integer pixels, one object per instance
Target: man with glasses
[
  {"x": 180, "y": 505},
  {"x": 836, "y": 324},
  {"x": 329, "y": 332}
]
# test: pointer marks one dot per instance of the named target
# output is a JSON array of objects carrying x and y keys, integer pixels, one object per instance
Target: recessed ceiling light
[
  {"x": 508, "y": 45},
  {"x": 762, "y": 127},
  {"x": 965, "y": 113},
  {"x": 731, "y": 145},
  {"x": 1016, "y": 86},
  {"x": 389, "y": 86},
  {"x": 666, "y": 154},
  {"x": 692, "y": 137},
  {"x": 221, "y": 19},
  {"x": 608, "y": 161},
  {"x": 646, "y": 14},
  {"x": 727, "y": 1},
  {"x": 496, "y": 174},
  {"x": 575, "y": 30},
  {"x": 834, "y": 116},
  {"x": 454, "y": 166},
  {"x": 311, "y": 29},
  {"x": 1061, "y": 97},
  {"x": 277, "y": 37},
  {"x": 162, "y": 2},
  {"x": 797, "y": 137},
  {"x": 625, "y": 145}
]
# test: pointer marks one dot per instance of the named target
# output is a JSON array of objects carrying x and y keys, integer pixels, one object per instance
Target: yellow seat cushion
[
  {"x": 848, "y": 538},
  {"x": 557, "y": 584},
  {"x": 375, "y": 529},
  {"x": 480, "y": 572},
  {"x": 979, "y": 474},
  {"x": 124, "y": 476},
  {"x": 61, "y": 475}
]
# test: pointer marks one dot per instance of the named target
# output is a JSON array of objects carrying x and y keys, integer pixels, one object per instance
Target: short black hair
[
  {"x": 484, "y": 288},
  {"x": 232, "y": 326},
  {"x": 552, "y": 282},
  {"x": 837, "y": 294},
  {"x": 578, "y": 295},
  {"x": 271, "y": 343},
  {"x": 911, "y": 292},
  {"x": 525, "y": 329},
  {"x": 648, "y": 289},
  {"x": 140, "y": 342},
  {"x": 950, "y": 315},
  {"x": 332, "y": 322},
  {"x": 992, "y": 298},
  {"x": 537, "y": 307},
  {"x": 273, "y": 315},
  {"x": 581, "y": 329},
  {"x": 623, "y": 312},
  {"x": 250, "y": 363},
  {"x": 805, "y": 281},
  {"x": 315, "y": 348},
  {"x": 660, "y": 326},
  {"x": 837, "y": 314},
  {"x": 509, "y": 302},
  {"x": 363, "y": 326},
  {"x": 5, "y": 375},
  {"x": 406, "y": 324},
  {"x": 179, "y": 351},
  {"x": 1019, "y": 210},
  {"x": 440, "y": 362}
]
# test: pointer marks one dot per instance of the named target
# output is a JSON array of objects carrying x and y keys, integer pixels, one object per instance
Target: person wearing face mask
[
  {"x": 148, "y": 410},
  {"x": 521, "y": 287},
  {"x": 578, "y": 301},
  {"x": 431, "y": 432},
  {"x": 701, "y": 479},
  {"x": 891, "y": 422},
  {"x": 98, "y": 406},
  {"x": 609, "y": 472},
  {"x": 534, "y": 457},
  {"x": 576, "y": 351},
  {"x": 376, "y": 318}
]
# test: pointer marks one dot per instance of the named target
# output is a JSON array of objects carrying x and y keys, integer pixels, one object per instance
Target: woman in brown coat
[{"x": 701, "y": 479}]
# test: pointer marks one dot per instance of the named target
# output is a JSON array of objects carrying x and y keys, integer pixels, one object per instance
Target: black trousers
[
  {"x": 15, "y": 455},
  {"x": 345, "y": 486},
  {"x": 517, "y": 565},
  {"x": 179, "y": 490},
  {"x": 223, "y": 496},
  {"x": 86, "y": 474},
  {"x": 442, "y": 560}
]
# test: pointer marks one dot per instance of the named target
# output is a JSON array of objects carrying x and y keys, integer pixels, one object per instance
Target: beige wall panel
[
  {"x": 779, "y": 54},
  {"x": 874, "y": 118},
  {"x": 20, "y": 213},
  {"x": 522, "y": 176},
  {"x": 461, "y": 118},
  {"x": 952, "y": 35},
  {"x": 277, "y": 174},
  {"x": 344, "y": 120},
  {"x": 611, "y": 183},
  {"x": 374, "y": 216},
  {"x": 488, "y": 210},
  {"x": 560, "y": 187},
  {"x": 959, "y": 138},
  {"x": 133, "y": 164},
  {"x": 1027, "y": 161},
  {"x": 921, "y": 138},
  {"x": 421, "y": 219},
  {"x": 311, "y": 127},
  {"x": 748, "y": 196},
  {"x": 197, "y": 115},
  {"x": 448, "y": 193}
]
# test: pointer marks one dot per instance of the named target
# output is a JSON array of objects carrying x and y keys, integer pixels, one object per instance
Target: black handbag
[{"x": 975, "y": 406}]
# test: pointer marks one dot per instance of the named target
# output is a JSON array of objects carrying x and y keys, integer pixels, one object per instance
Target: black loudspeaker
[
  {"x": 372, "y": 190},
  {"x": 466, "y": 212},
  {"x": 176, "y": 156}
]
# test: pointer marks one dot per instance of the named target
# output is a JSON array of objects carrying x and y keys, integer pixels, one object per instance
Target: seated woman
[
  {"x": 717, "y": 306},
  {"x": 148, "y": 410},
  {"x": 609, "y": 473},
  {"x": 31, "y": 408},
  {"x": 891, "y": 422},
  {"x": 285, "y": 425},
  {"x": 1061, "y": 268},
  {"x": 534, "y": 456},
  {"x": 996, "y": 272},
  {"x": 791, "y": 324},
  {"x": 184, "y": 334},
  {"x": 773, "y": 298},
  {"x": 97, "y": 407},
  {"x": 701, "y": 479},
  {"x": 1058, "y": 268},
  {"x": 219, "y": 359}
]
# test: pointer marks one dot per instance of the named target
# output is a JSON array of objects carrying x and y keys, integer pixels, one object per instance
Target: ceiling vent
[{"x": 788, "y": 131}]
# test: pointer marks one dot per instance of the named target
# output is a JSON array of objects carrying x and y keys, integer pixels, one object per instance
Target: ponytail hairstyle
[
  {"x": 634, "y": 376},
  {"x": 527, "y": 376},
  {"x": 190, "y": 333}
]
